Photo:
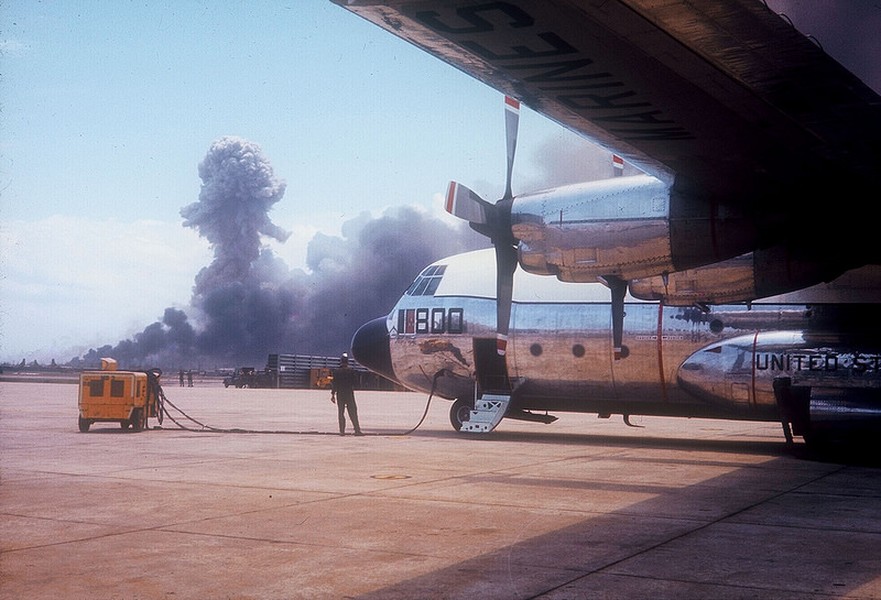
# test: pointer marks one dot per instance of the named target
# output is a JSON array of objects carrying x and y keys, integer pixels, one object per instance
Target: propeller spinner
[{"x": 494, "y": 221}]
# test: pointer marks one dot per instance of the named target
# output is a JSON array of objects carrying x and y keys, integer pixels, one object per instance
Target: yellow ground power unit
[{"x": 126, "y": 397}]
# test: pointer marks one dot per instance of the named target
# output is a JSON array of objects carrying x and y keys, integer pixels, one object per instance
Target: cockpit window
[
  {"x": 427, "y": 282},
  {"x": 433, "y": 282},
  {"x": 420, "y": 289}
]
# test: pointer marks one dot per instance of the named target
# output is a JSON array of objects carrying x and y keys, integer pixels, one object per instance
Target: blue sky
[{"x": 108, "y": 107}]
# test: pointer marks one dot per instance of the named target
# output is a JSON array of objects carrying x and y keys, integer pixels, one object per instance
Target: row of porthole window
[{"x": 577, "y": 350}]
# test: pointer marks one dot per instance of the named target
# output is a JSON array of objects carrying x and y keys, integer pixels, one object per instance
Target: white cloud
[
  {"x": 70, "y": 283},
  {"x": 439, "y": 211},
  {"x": 293, "y": 250},
  {"x": 12, "y": 48}
]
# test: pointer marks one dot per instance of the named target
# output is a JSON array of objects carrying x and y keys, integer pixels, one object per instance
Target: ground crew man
[{"x": 342, "y": 393}]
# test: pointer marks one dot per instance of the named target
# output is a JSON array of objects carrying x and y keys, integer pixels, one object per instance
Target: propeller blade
[
  {"x": 494, "y": 221},
  {"x": 465, "y": 204},
  {"x": 506, "y": 264},
  {"x": 512, "y": 125},
  {"x": 505, "y": 245}
]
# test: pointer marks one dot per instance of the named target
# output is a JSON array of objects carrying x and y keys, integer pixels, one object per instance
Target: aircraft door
[{"x": 492, "y": 370}]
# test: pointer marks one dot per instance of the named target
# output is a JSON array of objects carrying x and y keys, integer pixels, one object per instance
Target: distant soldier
[
  {"x": 189, "y": 379},
  {"x": 182, "y": 378},
  {"x": 342, "y": 393}
]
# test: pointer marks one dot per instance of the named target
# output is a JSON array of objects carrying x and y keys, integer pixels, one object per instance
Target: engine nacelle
[
  {"x": 629, "y": 227},
  {"x": 812, "y": 383}
]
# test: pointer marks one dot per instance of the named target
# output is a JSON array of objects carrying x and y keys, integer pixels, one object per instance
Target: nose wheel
[{"x": 460, "y": 412}]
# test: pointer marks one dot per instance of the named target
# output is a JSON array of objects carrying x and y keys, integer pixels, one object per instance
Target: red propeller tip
[
  {"x": 451, "y": 197},
  {"x": 501, "y": 344}
]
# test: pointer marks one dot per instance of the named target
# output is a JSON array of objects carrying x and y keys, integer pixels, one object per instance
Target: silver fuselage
[{"x": 687, "y": 361}]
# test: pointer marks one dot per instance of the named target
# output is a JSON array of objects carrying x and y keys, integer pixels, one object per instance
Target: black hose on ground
[{"x": 209, "y": 429}]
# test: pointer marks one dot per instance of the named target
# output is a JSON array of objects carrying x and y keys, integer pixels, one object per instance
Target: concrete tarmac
[{"x": 582, "y": 508}]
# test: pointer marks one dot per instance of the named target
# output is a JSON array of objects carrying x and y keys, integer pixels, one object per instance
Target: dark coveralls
[{"x": 343, "y": 387}]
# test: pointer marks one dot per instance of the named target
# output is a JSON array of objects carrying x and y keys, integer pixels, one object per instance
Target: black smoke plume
[
  {"x": 239, "y": 189},
  {"x": 248, "y": 303}
]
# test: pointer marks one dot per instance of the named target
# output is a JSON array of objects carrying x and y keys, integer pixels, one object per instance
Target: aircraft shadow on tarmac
[{"x": 731, "y": 536}]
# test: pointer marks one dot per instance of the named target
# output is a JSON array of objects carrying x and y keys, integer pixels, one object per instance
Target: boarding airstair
[
  {"x": 488, "y": 412},
  {"x": 493, "y": 388}
]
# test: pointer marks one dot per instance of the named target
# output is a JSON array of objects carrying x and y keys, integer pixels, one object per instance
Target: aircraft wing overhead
[{"x": 725, "y": 99}]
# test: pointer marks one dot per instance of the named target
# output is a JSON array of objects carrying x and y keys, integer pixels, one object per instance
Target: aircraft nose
[{"x": 370, "y": 347}]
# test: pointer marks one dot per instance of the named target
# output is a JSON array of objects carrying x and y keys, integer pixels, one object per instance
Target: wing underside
[{"x": 725, "y": 97}]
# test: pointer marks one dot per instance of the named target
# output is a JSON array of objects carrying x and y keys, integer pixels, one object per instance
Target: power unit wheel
[
  {"x": 84, "y": 425},
  {"x": 460, "y": 412},
  {"x": 137, "y": 419}
]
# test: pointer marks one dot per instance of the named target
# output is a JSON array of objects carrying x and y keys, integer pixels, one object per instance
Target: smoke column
[
  {"x": 248, "y": 303},
  {"x": 240, "y": 299},
  {"x": 361, "y": 275},
  {"x": 238, "y": 190}
]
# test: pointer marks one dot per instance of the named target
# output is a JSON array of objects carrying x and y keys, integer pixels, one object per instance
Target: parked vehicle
[{"x": 248, "y": 377}]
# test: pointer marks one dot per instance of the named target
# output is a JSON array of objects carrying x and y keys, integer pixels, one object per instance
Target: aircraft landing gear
[
  {"x": 460, "y": 412},
  {"x": 793, "y": 403},
  {"x": 490, "y": 409}
]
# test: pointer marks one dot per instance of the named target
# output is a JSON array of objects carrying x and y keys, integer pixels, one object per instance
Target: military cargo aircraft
[
  {"x": 740, "y": 271},
  {"x": 803, "y": 359}
]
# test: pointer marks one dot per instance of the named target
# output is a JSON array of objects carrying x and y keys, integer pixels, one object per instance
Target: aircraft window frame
[
  {"x": 430, "y": 320},
  {"x": 433, "y": 283},
  {"x": 456, "y": 320},
  {"x": 427, "y": 282},
  {"x": 420, "y": 289},
  {"x": 422, "y": 320}
]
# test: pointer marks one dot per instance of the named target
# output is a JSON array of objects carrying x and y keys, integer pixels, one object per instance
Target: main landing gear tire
[
  {"x": 84, "y": 425},
  {"x": 460, "y": 412}
]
